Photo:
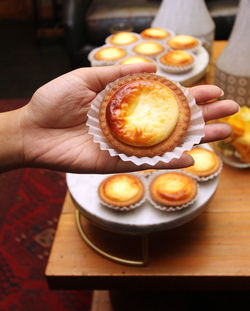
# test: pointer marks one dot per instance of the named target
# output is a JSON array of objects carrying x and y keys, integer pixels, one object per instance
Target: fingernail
[
  {"x": 222, "y": 93},
  {"x": 238, "y": 108}
]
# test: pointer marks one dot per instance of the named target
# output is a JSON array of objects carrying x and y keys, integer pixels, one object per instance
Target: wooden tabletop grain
[{"x": 210, "y": 252}]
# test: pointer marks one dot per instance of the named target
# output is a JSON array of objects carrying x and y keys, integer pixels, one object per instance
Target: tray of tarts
[{"x": 178, "y": 57}]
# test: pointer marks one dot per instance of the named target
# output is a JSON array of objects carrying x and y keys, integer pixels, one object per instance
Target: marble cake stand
[
  {"x": 138, "y": 222},
  {"x": 143, "y": 219}
]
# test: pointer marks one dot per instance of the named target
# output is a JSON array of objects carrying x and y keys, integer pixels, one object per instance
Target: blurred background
[{"x": 42, "y": 39}]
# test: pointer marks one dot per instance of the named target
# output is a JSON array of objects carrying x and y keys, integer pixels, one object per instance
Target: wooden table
[{"x": 210, "y": 252}]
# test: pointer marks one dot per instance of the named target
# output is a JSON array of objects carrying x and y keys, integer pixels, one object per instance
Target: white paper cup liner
[
  {"x": 132, "y": 206},
  {"x": 192, "y": 137},
  {"x": 193, "y": 50},
  {"x": 107, "y": 40},
  {"x": 97, "y": 63},
  {"x": 175, "y": 69},
  {"x": 163, "y": 207}
]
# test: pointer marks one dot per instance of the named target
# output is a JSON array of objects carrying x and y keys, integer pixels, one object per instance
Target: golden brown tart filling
[
  {"x": 110, "y": 53},
  {"x": 144, "y": 115},
  {"x": 121, "y": 190},
  {"x": 123, "y": 38},
  {"x": 155, "y": 33},
  {"x": 206, "y": 162},
  {"x": 173, "y": 189},
  {"x": 182, "y": 42}
]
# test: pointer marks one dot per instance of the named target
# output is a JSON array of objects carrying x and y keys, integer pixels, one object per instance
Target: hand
[{"x": 54, "y": 128}]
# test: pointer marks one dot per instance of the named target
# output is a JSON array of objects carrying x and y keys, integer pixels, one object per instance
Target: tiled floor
[{"x": 26, "y": 63}]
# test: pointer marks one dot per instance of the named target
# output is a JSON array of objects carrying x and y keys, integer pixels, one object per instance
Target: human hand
[{"x": 53, "y": 124}]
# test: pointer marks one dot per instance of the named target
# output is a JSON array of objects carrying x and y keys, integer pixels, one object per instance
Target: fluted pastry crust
[
  {"x": 173, "y": 189},
  {"x": 144, "y": 115},
  {"x": 206, "y": 162},
  {"x": 121, "y": 190},
  {"x": 155, "y": 33}
]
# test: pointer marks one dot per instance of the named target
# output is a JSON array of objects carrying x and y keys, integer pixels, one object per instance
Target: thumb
[{"x": 96, "y": 78}]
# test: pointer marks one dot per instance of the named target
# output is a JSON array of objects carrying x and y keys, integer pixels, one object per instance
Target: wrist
[{"x": 11, "y": 141}]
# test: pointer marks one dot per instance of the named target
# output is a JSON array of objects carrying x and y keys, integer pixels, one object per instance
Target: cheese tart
[
  {"x": 144, "y": 115},
  {"x": 173, "y": 189},
  {"x": 123, "y": 38},
  {"x": 206, "y": 162},
  {"x": 110, "y": 53},
  {"x": 176, "y": 61},
  {"x": 148, "y": 48},
  {"x": 155, "y": 33},
  {"x": 183, "y": 42},
  {"x": 121, "y": 190}
]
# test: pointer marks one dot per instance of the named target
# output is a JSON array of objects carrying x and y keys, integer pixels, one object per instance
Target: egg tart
[
  {"x": 173, "y": 189},
  {"x": 155, "y": 33},
  {"x": 183, "y": 42},
  {"x": 123, "y": 38},
  {"x": 110, "y": 53},
  {"x": 148, "y": 48},
  {"x": 135, "y": 60},
  {"x": 121, "y": 190},
  {"x": 206, "y": 162},
  {"x": 144, "y": 115},
  {"x": 176, "y": 61}
]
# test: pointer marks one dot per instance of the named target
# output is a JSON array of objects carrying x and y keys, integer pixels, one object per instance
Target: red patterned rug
[{"x": 31, "y": 201}]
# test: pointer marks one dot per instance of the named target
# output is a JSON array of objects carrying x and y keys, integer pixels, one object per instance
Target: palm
[{"x": 57, "y": 135}]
